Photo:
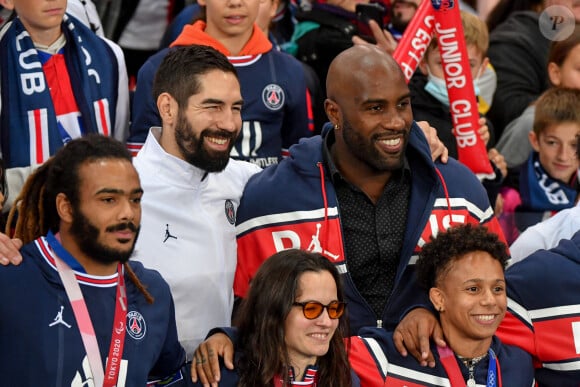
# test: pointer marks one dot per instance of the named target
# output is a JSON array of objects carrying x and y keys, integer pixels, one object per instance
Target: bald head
[
  {"x": 357, "y": 64},
  {"x": 369, "y": 106}
]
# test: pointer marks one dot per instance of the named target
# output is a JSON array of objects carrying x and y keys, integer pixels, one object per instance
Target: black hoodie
[{"x": 519, "y": 53}]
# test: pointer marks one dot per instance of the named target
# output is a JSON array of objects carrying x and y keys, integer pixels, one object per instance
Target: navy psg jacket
[
  {"x": 40, "y": 340},
  {"x": 293, "y": 205},
  {"x": 377, "y": 362}
]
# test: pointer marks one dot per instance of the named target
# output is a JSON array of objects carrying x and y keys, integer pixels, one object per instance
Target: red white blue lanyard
[
  {"x": 83, "y": 319},
  {"x": 454, "y": 373}
]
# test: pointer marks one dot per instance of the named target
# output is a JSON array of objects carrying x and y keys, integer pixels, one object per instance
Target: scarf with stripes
[{"x": 29, "y": 132}]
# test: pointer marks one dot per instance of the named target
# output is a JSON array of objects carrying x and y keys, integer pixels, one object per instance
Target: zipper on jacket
[{"x": 379, "y": 323}]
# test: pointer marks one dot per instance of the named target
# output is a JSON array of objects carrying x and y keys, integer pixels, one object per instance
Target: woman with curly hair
[{"x": 463, "y": 271}]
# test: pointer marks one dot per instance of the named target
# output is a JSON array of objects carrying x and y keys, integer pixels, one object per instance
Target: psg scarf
[
  {"x": 541, "y": 192},
  {"x": 29, "y": 130}
]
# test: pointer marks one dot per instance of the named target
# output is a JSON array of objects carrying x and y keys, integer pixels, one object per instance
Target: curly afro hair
[{"x": 436, "y": 256}]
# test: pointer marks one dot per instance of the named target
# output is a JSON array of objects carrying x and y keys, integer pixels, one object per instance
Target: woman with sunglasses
[{"x": 290, "y": 326}]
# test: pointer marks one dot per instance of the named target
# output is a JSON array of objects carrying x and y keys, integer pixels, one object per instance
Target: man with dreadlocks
[{"x": 80, "y": 313}]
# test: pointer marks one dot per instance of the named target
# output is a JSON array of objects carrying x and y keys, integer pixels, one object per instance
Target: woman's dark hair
[
  {"x": 262, "y": 316},
  {"x": 437, "y": 256}
]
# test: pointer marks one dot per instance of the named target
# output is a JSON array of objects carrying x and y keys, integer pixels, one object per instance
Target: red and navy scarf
[
  {"x": 28, "y": 124},
  {"x": 541, "y": 192}
]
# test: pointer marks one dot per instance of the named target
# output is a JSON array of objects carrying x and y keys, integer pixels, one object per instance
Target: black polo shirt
[{"x": 373, "y": 233}]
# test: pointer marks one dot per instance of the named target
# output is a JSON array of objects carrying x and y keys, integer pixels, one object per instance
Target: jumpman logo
[
  {"x": 316, "y": 247},
  {"x": 168, "y": 234},
  {"x": 58, "y": 319}
]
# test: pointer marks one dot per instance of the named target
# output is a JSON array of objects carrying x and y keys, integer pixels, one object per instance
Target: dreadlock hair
[
  {"x": 262, "y": 316},
  {"x": 28, "y": 207},
  {"x": 36, "y": 203}
]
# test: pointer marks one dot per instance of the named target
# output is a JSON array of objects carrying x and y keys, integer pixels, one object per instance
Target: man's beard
[
  {"x": 193, "y": 150},
  {"x": 87, "y": 237},
  {"x": 364, "y": 149}
]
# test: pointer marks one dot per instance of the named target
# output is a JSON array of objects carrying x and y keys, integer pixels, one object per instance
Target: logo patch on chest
[
  {"x": 273, "y": 97},
  {"x": 136, "y": 327},
  {"x": 230, "y": 211}
]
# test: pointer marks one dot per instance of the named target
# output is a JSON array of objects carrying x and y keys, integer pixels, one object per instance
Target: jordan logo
[
  {"x": 315, "y": 246},
  {"x": 168, "y": 234},
  {"x": 58, "y": 319}
]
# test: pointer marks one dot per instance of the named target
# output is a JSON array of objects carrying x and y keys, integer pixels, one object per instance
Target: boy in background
[
  {"x": 548, "y": 179},
  {"x": 60, "y": 81},
  {"x": 430, "y": 101}
]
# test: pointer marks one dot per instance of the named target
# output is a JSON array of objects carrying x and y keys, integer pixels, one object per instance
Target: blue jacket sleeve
[{"x": 172, "y": 357}]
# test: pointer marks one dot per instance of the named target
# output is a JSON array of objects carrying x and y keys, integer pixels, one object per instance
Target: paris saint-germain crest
[
  {"x": 273, "y": 97},
  {"x": 136, "y": 327},
  {"x": 230, "y": 211},
  {"x": 443, "y": 5}
]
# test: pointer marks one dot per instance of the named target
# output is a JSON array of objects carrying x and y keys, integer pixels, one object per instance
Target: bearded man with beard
[
  {"x": 78, "y": 307},
  {"x": 193, "y": 188}
]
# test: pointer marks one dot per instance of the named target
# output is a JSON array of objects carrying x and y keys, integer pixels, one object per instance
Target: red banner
[
  {"x": 462, "y": 103},
  {"x": 415, "y": 40}
]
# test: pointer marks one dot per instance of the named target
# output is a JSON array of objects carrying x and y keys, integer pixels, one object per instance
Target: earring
[{"x": 336, "y": 127}]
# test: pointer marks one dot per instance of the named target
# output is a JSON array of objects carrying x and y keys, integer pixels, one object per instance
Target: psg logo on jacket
[
  {"x": 273, "y": 97},
  {"x": 443, "y": 5},
  {"x": 136, "y": 325},
  {"x": 230, "y": 211}
]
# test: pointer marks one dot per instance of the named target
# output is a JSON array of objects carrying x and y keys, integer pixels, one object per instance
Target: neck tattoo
[{"x": 470, "y": 363}]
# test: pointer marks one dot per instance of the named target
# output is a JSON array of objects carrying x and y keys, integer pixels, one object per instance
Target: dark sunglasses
[{"x": 313, "y": 309}]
